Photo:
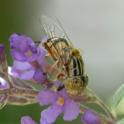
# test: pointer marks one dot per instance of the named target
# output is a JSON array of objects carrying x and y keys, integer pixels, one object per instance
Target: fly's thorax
[{"x": 57, "y": 47}]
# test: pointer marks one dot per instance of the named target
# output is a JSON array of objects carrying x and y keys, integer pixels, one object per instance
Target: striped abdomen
[{"x": 75, "y": 67}]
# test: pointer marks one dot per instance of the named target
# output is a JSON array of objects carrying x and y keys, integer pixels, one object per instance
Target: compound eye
[{"x": 3, "y": 84}]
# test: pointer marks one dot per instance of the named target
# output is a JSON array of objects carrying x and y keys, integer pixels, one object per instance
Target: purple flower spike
[
  {"x": 29, "y": 60},
  {"x": 22, "y": 48},
  {"x": 60, "y": 102},
  {"x": 90, "y": 118},
  {"x": 27, "y": 120}
]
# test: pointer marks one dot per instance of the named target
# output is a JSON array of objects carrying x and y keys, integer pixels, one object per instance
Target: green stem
[{"x": 99, "y": 102}]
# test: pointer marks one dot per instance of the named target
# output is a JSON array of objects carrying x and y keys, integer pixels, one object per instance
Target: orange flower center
[{"x": 60, "y": 101}]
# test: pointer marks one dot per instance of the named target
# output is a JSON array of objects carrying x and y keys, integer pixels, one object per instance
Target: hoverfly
[
  {"x": 12, "y": 90},
  {"x": 67, "y": 58}
]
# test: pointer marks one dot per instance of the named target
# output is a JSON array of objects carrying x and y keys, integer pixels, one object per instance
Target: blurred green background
[{"x": 21, "y": 16}]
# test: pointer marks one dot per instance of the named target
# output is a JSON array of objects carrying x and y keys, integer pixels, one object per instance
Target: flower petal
[
  {"x": 23, "y": 48},
  {"x": 22, "y": 70},
  {"x": 63, "y": 93},
  {"x": 41, "y": 56},
  {"x": 43, "y": 121},
  {"x": 39, "y": 76},
  {"x": 46, "y": 97},
  {"x": 22, "y": 65},
  {"x": 71, "y": 110},
  {"x": 20, "y": 42},
  {"x": 18, "y": 55},
  {"x": 27, "y": 75},
  {"x": 27, "y": 120},
  {"x": 90, "y": 118},
  {"x": 51, "y": 113}
]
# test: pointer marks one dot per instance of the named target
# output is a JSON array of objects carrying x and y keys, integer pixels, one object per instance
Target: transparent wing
[
  {"x": 3, "y": 100},
  {"x": 52, "y": 27}
]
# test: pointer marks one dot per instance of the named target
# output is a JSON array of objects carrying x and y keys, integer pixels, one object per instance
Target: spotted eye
[{"x": 3, "y": 84}]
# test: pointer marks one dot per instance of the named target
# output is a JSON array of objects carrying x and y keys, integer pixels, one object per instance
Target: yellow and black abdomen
[
  {"x": 76, "y": 66},
  {"x": 76, "y": 80}
]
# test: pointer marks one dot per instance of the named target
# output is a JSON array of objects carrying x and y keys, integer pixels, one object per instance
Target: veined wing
[{"x": 52, "y": 27}]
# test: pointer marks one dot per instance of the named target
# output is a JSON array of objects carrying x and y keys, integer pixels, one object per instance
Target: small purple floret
[
  {"x": 29, "y": 60},
  {"x": 22, "y": 48},
  {"x": 27, "y": 120},
  {"x": 90, "y": 118},
  {"x": 60, "y": 103}
]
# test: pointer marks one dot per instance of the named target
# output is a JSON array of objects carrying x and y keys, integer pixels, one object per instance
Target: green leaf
[
  {"x": 120, "y": 121},
  {"x": 118, "y": 96}
]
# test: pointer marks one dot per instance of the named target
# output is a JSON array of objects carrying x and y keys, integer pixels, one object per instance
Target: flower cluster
[
  {"x": 29, "y": 60},
  {"x": 60, "y": 103},
  {"x": 30, "y": 63}
]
